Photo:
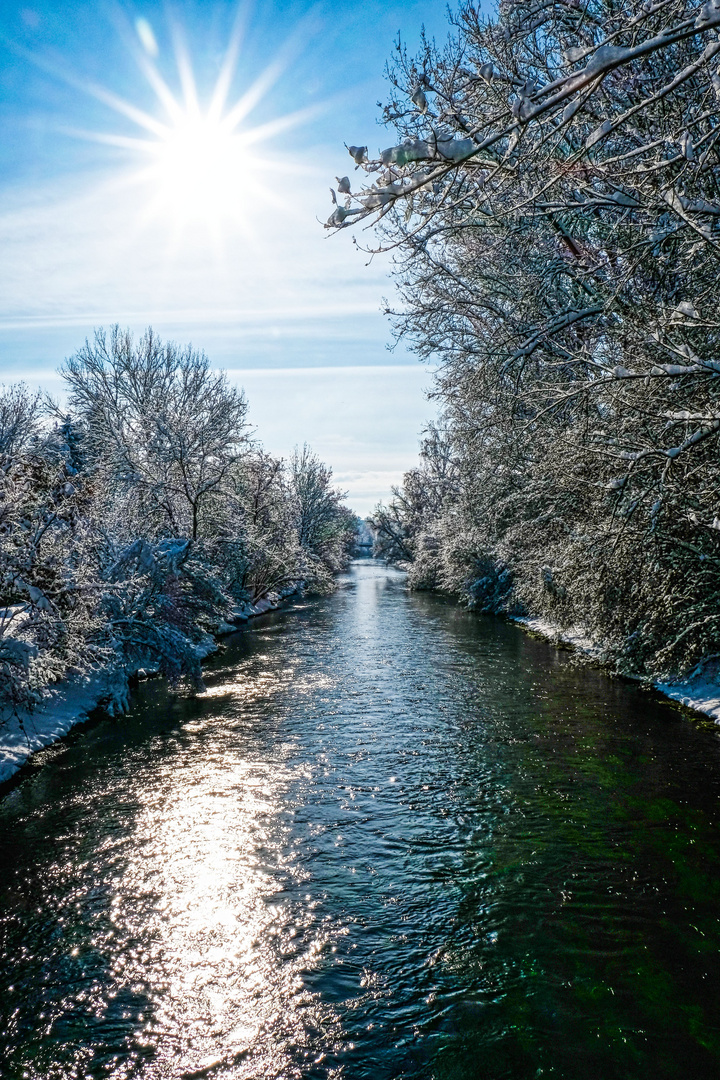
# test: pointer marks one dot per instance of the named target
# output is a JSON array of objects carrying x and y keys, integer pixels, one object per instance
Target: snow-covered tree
[
  {"x": 552, "y": 201},
  {"x": 325, "y": 529},
  {"x": 171, "y": 427},
  {"x": 48, "y": 585},
  {"x": 19, "y": 418}
]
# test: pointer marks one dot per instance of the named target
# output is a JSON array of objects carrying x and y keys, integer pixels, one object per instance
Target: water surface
[{"x": 393, "y": 840}]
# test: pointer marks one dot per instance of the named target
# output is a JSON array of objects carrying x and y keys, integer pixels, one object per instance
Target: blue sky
[{"x": 112, "y": 211}]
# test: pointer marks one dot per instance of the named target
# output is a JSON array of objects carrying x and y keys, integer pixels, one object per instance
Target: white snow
[
  {"x": 702, "y": 695},
  {"x": 69, "y": 704}
]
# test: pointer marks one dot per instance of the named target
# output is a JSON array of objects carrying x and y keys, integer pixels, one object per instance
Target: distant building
[{"x": 365, "y": 537}]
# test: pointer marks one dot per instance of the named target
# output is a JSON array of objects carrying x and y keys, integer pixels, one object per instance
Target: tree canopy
[{"x": 551, "y": 202}]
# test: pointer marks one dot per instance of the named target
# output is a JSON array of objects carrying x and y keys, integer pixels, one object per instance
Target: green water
[{"x": 393, "y": 840}]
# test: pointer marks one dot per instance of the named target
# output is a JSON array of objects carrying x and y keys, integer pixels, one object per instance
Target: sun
[
  {"x": 200, "y": 167},
  {"x": 198, "y": 161}
]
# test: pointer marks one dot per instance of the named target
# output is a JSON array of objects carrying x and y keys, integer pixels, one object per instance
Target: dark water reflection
[{"x": 393, "y": 840}]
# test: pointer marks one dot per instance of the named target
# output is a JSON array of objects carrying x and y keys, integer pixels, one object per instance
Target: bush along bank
[{"x": 622, "y": 601}]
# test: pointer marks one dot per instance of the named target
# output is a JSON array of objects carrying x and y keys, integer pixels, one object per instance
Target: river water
[{"x": 392, "y": 840}]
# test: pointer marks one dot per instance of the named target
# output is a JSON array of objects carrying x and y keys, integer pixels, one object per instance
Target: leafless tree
[
  {"x": 136, "y": 525},
  {"x": 171, "y": 426},
  {"x": 19, "y": 418}
]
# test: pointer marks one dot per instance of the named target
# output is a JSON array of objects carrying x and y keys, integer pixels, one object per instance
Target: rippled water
[{"x": 393, "y": 840}]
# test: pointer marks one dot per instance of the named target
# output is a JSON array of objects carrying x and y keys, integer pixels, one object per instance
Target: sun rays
[{"x": 195, "y": 155}]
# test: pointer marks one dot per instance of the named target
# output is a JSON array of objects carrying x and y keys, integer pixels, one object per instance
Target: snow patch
[
  {"x": 27, "y": 732},
  {"x": 702, "y": 695},
  {"x": 574, "y": 636}
]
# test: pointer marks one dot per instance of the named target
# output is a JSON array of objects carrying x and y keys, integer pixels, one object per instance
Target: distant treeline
[
  {"x": 144, "y": 516},
  {"x": 552, "y": 202}
]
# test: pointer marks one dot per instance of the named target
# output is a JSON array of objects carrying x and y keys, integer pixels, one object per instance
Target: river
[{"x": 392, "y": 840}]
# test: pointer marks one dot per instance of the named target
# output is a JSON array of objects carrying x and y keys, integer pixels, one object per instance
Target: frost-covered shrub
[
  {"x": 48, "y": 585},
  {"x": 158, "y": 603},
  {"x": 424, "y": 570}
]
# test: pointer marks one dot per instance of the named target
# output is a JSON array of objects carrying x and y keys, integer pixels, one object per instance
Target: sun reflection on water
[{"x": 203, "y": 931}]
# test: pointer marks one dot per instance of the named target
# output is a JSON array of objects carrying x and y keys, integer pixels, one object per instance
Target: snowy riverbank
[
  {"x": 71, "y": 701},
  {"x": 700, "y": 692}
]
